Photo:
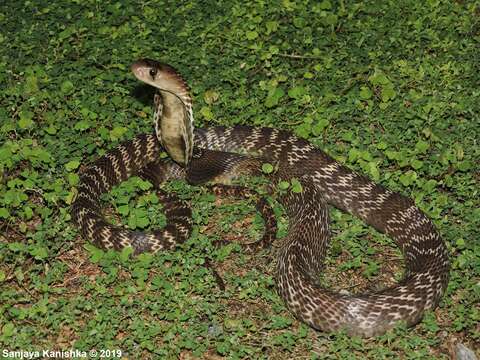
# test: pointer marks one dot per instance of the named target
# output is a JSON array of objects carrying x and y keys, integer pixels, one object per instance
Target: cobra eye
[{"x": 153, "y": 72}]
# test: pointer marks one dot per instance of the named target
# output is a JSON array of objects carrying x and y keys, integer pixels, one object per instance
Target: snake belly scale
[{"x": 230, "y": 151}]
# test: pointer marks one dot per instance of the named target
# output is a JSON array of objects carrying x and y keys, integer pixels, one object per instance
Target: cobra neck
[{"x": 173, "y": 119}]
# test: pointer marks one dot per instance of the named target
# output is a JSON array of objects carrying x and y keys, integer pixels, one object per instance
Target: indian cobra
[{"x": 220, "y": 154}]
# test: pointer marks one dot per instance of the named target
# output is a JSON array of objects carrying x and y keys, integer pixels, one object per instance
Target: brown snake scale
[{"x": 227, "y": 152}]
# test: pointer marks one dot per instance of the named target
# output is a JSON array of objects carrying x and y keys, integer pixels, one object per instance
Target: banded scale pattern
[
  {"x": 225, "y": 152},
  {"x": 300, "y": 259},
  {"x": 140, "y": 156},
  {"x": 116, "y": 166}
]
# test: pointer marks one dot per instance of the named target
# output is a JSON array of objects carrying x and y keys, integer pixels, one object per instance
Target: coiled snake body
[{"x": 226, "y": 152}]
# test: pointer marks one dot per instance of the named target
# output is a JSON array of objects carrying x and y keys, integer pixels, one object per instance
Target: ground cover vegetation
[{"x": 390, "y": 88}]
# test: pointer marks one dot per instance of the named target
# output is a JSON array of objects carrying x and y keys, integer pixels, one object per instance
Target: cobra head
[{"x": 160, "y": 75}]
